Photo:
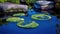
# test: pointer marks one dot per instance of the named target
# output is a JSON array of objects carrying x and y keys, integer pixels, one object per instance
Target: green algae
[
  {"x": 19, "y": 14},
  {"x": 41, "y": 17},
  {"x": 30, "y": 25},
  {"x": 14, "y": 19}
]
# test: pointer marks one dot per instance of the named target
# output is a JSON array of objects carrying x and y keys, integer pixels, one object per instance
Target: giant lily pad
[
  {"x": 14, "y": 19},
  {"x": 30, "y": 25},
  {"x": 19, "y": 14},
  {"x": 41, "y": 17}
]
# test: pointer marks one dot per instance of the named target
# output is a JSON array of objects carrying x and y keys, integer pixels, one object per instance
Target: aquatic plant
[
  {"x": 20, "y": 23},
  {"x": 41, "y": 17},
  {"x": 19, "y": 14},
  {"x": 14, "y": 19},
  {"x": 30, "y": 25}
]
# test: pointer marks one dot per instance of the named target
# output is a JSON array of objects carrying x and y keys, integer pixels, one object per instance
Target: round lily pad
[
  {"x": 19, "y": 14},
  {"x": 14, "y": 19},
  {"x": 41, "y": 17},
  {"x": 30, "y": 25}
]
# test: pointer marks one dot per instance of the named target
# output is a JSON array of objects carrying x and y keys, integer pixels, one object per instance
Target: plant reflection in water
[{"x": 3, "y": 21}]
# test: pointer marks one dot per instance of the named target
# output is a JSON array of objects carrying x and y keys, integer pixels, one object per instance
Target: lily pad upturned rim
[
  {"x": 30, "y": 25},
  {"x": 38, "y": 15}
]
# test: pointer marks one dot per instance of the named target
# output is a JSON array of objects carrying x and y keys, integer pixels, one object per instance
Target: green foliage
[
  {"x": 2, "y": 1},
  {"x": 15, "y": 1},
  {"x": 30, "y": 1}
]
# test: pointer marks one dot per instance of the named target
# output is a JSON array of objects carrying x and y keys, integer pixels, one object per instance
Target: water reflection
[{"x": 3, "y": 22}]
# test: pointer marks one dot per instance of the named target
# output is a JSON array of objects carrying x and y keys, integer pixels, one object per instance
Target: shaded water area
[{"x": 45, "y": 26}]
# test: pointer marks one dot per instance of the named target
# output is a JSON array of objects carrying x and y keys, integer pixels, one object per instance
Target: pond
[{"x": 45, "y": 26}]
